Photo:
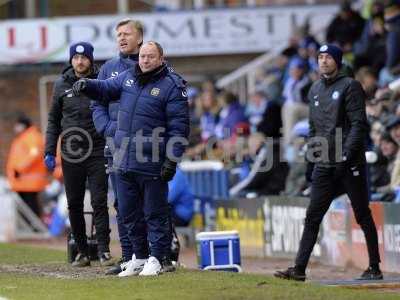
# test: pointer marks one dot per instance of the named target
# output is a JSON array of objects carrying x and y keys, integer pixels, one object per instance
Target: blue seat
[{"x": 209, "y": 183}]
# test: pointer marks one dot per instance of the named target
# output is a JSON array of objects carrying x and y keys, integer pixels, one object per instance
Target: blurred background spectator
[
  {"x": 346, "y": 28},
  {"x": 26, "y": 172}
]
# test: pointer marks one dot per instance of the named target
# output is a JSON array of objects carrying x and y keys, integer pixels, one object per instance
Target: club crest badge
[
  {"x": 335, "y": 95},
  {"x": 323, "y": 48},
  {"x": 155, "y": 92},
  {"x": 80, "y": 49}
]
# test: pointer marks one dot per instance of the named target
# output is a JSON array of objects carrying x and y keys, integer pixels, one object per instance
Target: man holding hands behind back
[
  {"x": 82, "y": 149},
  {"x": 338, "y": 133},
  {"x": 151, "y": 135}
]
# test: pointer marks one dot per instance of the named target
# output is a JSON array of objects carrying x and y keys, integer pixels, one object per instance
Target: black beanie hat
[
  {"x": 333, "y": 51},
  {"x": 23, "y": 119},
  {"x": 83, "y": 48}
]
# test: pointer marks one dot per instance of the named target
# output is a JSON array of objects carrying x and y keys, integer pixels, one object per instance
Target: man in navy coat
[{"x": 151, "y": 136}]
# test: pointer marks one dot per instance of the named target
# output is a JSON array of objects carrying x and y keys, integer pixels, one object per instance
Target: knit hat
[
  {"x": 23, "y": 119},
  {"x": 83, "y": 48},
  {"x": 393, "y": 122},
  {"x": 333, "y": 51},
  {"x": 345, "y": 5},
  {"x": 309, "y": 43},
  {"x": 297, "y": 62}
]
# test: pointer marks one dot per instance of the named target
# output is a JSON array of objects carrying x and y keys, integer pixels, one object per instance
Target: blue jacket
[
  {"x": 147, "y": 104},
  {"x": 229, "y": 118},
  {"x": 105, "y": 116},
  {"x": 180, "y": 196}
]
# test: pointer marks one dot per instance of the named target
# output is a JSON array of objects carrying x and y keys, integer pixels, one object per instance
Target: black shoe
[
  {"x": 291, "y": 274},
  {"x": 106, "y": 259},
  {"x": 81, "y": 260},
  {"x": 371, "y": 274},
  {"x": 167, "y": 265},
  {"x": 114, "y": 270},
  {"x": 175, "y": 247},
  {"x": 117, "y": 268}
]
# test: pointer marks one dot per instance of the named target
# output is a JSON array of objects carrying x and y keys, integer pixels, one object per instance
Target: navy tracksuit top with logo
[{"x": 160, "y": 103}]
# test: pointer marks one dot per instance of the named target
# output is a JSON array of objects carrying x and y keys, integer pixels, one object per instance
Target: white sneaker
[
  {"x": 133, "y": 267},
  {"x": 151, "y": 268},
  {"x": 124, "y": 265}
]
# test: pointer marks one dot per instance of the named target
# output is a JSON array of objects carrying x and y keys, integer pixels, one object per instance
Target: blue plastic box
[{"x": 219, "y": 250}]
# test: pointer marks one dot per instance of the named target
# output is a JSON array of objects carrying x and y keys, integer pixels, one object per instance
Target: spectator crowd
[{"x": 277, "y": 110}]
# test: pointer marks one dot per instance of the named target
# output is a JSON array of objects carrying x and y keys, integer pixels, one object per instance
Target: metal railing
[
  {"x": 242, "y": 81},
  {"x": 44, "y": 98}
]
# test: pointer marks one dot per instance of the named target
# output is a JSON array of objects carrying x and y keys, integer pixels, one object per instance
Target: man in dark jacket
[
  {"x": 129, "y": 39},
  {"x": 151, "y": 135},
  {"x": 338, "y": 132},
  {"x": 346, "y": 28},
  {"x": 82, "y": 149}
]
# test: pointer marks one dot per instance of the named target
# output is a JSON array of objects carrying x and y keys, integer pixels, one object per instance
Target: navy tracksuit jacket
[{"x": 155, "y": 105}]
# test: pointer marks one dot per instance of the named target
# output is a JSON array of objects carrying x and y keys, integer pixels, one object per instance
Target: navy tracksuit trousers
[
  {"x": 328, "y": 183},
  {"x": 143, "y": 207},
  {"x": 126, "y": 245}
]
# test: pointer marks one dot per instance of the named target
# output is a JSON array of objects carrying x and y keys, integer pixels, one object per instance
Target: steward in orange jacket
[{"x": 26, "y": 171}]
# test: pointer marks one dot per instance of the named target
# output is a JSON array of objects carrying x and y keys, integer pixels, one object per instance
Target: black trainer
[
  {"x": 371, "y": 274},
  {"x": 291, "y": 274},
  {"x": 81, "y": 260},
  {"x": 116, "y": 269},
  {"x": 175, "y": 247},
  {"x": 167, "y": 265}
]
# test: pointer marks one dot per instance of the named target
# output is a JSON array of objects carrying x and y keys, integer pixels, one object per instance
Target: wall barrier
[{"x": 272, "y": 227}]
